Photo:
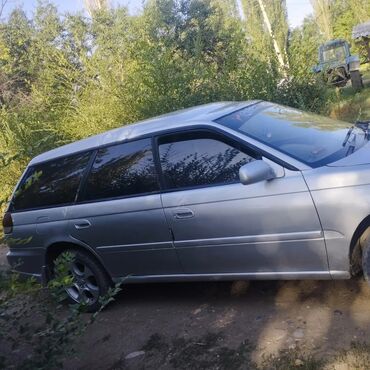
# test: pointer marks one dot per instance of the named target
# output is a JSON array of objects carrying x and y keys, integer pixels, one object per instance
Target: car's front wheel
[
  {"x": 89, "y": 280},
  {"x": 366, "y": 260}
]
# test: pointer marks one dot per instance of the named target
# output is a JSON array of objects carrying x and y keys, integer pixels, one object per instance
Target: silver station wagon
[{"x": 222, "y": 191}]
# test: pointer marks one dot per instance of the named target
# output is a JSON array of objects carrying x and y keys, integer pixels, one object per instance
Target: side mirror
[{"x": 256, "y": 171}]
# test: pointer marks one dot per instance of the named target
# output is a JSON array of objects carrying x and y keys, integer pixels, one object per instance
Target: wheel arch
[
  {"x": 56, "y": 248},
  {"x": 359, "y": 237}
]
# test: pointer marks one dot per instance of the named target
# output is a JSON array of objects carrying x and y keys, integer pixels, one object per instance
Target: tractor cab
[{"x": 337, "y": 65}]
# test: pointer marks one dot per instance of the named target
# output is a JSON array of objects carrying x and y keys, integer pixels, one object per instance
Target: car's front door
[
  {"x": 120, "y": 215},
  {"x": 222, "y": 226}
]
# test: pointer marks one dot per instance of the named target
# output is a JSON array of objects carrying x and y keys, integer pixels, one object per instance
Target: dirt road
[
  {"x": 163, "y": 321},
  {"x": 224, "y": 325}
]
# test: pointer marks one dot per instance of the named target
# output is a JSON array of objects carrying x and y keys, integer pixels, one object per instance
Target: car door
[
  {"x": 221, "y": 226},
  {"x": 119, "y": 212}
]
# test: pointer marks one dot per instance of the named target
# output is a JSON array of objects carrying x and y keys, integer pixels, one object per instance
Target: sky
[{"x": 297, "y": 9}]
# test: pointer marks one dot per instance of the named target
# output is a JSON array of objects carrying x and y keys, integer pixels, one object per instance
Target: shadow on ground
[{"x": 226, "y": 325}]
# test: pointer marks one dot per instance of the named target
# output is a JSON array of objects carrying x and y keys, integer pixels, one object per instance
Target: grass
[{"x": 350, "y": 105}]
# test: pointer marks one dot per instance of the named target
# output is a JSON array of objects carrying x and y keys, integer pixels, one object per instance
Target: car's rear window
[
  {"x": 51, "y": 183},
  {"x": 309, "y": 138},
  {"x": 122, "y": 170}
]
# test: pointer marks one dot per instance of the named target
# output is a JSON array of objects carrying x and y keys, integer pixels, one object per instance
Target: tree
[
  {"x": 267, "y": 30},
  {"x": 304, "y": 42},
  {"x": 93, "y": 6},
  {"x": 360, "y": 10},
  {"x": 15, "y": 70},
  {"x": 280, "y": 52},
  {"x": 65, "y": 78},
  {"x": 323, "y": 16}
]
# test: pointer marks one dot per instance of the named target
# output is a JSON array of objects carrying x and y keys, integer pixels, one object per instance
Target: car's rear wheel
[{"x": 90, "y": 281}]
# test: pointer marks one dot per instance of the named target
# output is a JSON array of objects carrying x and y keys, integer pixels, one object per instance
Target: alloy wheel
[{"x": 84, "y": 288}]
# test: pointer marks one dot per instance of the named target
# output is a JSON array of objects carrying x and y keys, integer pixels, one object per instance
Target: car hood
[{"x": 359, "y": 157}]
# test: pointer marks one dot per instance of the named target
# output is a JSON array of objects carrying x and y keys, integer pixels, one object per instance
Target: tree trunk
[
  {"x": 95, "y": 5},
  {"x": 279, "y": 55}
]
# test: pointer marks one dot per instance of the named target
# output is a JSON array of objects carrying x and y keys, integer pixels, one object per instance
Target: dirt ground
[
  {"x": 224, "y": 325},
  {"x": 320, "y": 317}
]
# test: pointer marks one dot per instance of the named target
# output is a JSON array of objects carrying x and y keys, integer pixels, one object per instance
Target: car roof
[{"x": 205, "y": 113}]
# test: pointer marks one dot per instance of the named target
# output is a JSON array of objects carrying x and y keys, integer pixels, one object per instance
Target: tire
[
  {"x": 356, "y": 80},
  {"x": 366, "y": 261},
  {"x": 90, "y": 281}
]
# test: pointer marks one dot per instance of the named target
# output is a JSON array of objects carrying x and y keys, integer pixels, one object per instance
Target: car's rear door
[
  {"x": 119, "y": 212},
  {"x": 222, "y": 226}
]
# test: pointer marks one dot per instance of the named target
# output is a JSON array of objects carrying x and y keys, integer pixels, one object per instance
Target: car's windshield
[
  {"x": 334, "y": 53},
  {"x": 309, "y": 138}
]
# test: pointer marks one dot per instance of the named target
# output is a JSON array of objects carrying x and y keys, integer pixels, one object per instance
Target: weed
[{"x": 34, "y": 322}]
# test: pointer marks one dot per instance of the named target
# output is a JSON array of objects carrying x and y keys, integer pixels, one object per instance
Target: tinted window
[
  {"x": 121, "y": 170},
  {"x": 51, "y": 183},
  {"x": 200, "y": 161}
]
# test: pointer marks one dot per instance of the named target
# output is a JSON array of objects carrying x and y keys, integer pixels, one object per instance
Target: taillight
[{"x": 7, "y": 223}]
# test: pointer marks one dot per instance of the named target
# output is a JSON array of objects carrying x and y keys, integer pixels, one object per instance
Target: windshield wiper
[
  {"x": 348, "y": 135},
  {"x": 364, "y": 126}
]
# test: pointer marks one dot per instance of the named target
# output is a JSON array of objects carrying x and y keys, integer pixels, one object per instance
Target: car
[{"x": 221, "y": 191}]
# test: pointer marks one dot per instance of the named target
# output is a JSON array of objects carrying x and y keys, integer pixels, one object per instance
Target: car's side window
[
  {"x": 122, "y": 170},
  {"x": 51, "y": 183},
  {"x": 200, "y": 159}
]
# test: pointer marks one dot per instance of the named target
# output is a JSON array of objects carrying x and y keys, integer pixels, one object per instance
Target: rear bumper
[{"x": 28, "y": 262}]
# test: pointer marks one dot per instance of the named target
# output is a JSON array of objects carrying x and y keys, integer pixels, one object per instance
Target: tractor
[{"x": 337, "y": 65}]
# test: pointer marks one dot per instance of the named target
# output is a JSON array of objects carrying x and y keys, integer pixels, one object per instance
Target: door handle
[
  {"x": 84, "y": 224},
  {"x": 183, "y": 213}
]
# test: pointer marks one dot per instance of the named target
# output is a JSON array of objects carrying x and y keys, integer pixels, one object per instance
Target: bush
[
  {"x": 311, "y": 95},
  {"x": 35, "y": 323},
  {"x": 66, "y": 78}
]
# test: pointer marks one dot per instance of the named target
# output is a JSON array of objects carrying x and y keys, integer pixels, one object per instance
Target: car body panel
[
  {"x": 35, "y": 231},
  {"x": 298, "y": 275},
  {"x": 130, "y": 234},
  {"x": 238, "y": 228},
  {"x": 342, "y": 199},
  {"x": 359, "y": 157}
]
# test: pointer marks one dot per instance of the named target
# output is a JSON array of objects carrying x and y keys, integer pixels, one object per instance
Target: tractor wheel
[
  {"x": 341, "y": 84},
  {"x": 356, "y": 80}
]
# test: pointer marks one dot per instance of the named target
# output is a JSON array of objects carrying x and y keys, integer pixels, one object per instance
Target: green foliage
[
  {"x": 33, "y": 321},
  {"x": 65, "y": 78},
  {"x": 311, "y": 95},
  {"x": 303, "y": 49},
  {"x": 336, "y": 18}
]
